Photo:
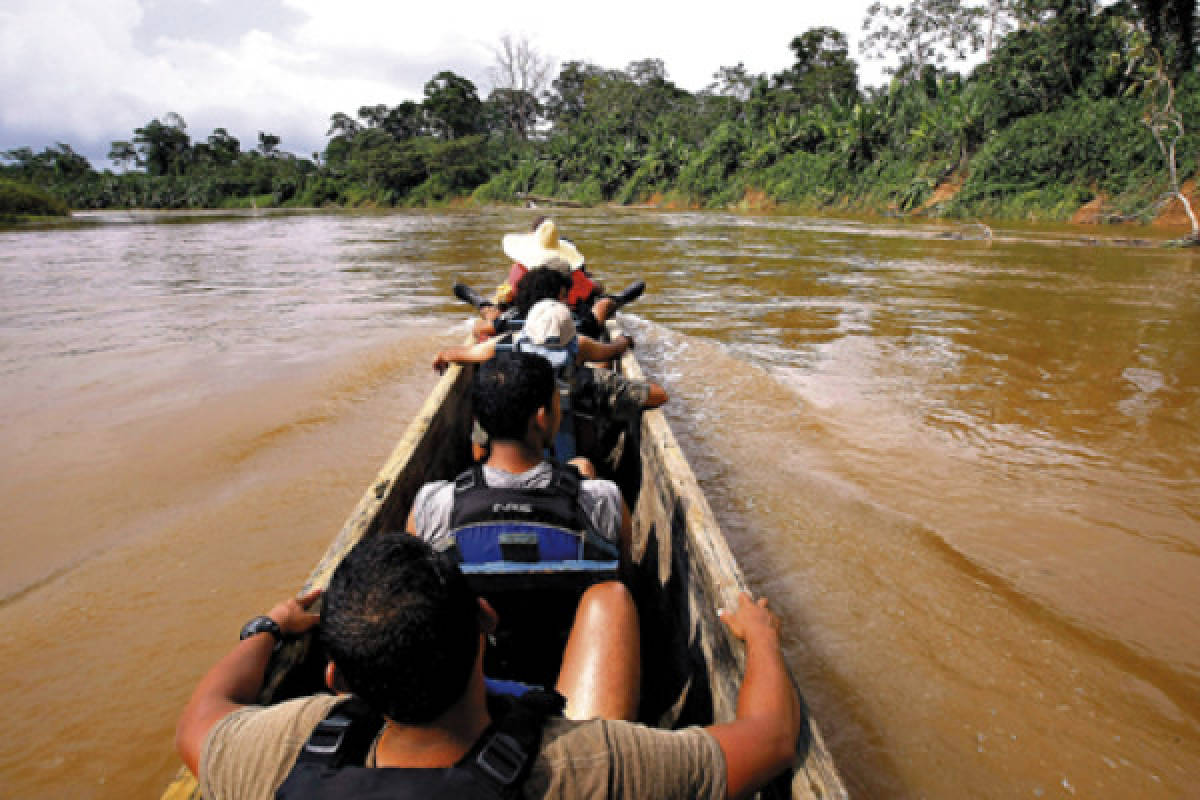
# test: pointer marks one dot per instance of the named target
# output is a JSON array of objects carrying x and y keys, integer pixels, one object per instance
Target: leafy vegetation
[
  {"x": 1057, "y": 115},
  {"x": 23, "y": 199}
]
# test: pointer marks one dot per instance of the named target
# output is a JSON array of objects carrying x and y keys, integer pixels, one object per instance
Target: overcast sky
[{"x": 87, "y": 72}]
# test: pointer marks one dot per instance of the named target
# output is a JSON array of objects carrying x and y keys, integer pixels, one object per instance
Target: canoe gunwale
[{"x": 696, "y": 544}]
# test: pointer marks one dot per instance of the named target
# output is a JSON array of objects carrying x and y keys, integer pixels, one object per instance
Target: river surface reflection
[{"x": 965, "y": 470}]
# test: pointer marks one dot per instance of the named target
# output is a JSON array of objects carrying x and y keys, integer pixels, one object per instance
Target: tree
[
  {"x": 515, "y": 110},
  {"x": 373, "y": 116},
  {"x": 822, "y": 70},
  {"x": 643, "y": 97},
  {"x": 268, "y": 144},
  {"x": 921, "y": 32},
  {"x": 727, "y": 96},
  {"x": 1171, "y": 25},
  {"x": 1165, "y": 122},
  {"x": 453, "y": 105},
  {"x": 568, "y": 99},
  {"x": 1000, "y": 15},
  {"x": 66, "y": 164},
  {"x": 733, "y": 82},
  {"x": 519, "y": 77},
  {"x": 56, "y": 164},
  {"x": 225, "y": 148},
  {"x": 165, "y": 146},
  {"x": 1076, "y": 45},
  {"x": 647, "y": 72},
  {"x": 22, "y": 159},
  {"x": 405, "y": 121},
  {"x": 341, "y": 124},
  {"x": 123, "y": 154}
]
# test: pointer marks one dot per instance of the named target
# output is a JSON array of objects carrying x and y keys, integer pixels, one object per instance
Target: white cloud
[
  {"x": 63, "y": 60},
  {"x": 75, "y": 70},
  {"x": 693, "y": 39}
]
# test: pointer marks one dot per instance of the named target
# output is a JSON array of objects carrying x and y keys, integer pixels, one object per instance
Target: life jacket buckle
[
  {"x": 466, "y": 481},
  {"x": 502, "y": 758},
  {"x": 329, "y": 735}
]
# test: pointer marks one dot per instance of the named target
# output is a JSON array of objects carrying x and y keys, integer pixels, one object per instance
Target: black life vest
[
  {"x": 331, "y": 765},
  {"x": 524, "y": 524}
]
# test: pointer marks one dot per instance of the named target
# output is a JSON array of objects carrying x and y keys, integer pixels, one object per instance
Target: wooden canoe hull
[
  {"x": 692, "y": 665},
  {"x": 680, "y": 549}
]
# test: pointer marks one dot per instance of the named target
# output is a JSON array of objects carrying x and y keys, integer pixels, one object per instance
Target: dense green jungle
[{"x": 1075, "y": 102}]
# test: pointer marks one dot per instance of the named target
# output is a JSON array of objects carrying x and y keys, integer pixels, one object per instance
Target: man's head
[
  {"x": 549, "y": 323},
  {"x": 402, "y": 627},
  {"x": 543, "y": 283},
  {"x": 541, "y": 245},
  {"x": 510, "y": 390}
]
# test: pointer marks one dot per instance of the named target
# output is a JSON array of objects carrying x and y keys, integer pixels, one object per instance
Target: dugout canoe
[{"x": 692, "y": 666}]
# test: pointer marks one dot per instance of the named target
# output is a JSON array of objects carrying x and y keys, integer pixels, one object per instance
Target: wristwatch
[{"x": 263, "y": 624}]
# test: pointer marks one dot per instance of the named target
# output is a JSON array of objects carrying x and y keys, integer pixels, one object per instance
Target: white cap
[{"x": 549, "y": 323}]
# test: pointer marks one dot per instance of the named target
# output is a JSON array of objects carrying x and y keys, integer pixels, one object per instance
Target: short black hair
[
  {"x": 543, "y": 283},
  {"x": 508, "y": 390},
  {"x": 402, "y": 626}
]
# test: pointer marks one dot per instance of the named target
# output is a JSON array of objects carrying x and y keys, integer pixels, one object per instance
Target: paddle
[{"x": 469, "y": 295}]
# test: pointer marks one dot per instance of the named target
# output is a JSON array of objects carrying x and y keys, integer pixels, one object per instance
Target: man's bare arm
[
  {"x": 472, "y": 354},
  {"x": 235, "y": 680},
  {"x": 761, "y": 742},
  {"x": 592, "y": 350}
]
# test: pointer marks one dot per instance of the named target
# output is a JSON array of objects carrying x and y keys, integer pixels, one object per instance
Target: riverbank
[
  {"x": 1099, "y": 213},
  {"x": 21, "y": 201},
  {"x": 1087, "y": 228}
]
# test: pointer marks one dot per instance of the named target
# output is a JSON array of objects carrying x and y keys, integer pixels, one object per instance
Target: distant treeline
[{"x": 1076, "y": 99}]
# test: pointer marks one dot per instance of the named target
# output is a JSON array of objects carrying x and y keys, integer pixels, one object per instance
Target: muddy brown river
[{"x": 965, "y": 470}]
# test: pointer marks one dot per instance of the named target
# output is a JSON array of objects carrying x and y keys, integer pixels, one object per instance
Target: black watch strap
[{"x": 263, "y": 624}]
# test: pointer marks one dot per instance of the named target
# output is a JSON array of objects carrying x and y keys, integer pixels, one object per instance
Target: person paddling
[{"x": 542, "y": 246}]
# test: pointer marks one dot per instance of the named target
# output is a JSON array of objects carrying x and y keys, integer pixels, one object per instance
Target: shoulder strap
[
  {"x": 343, "y": 737},
  {"x": 470, "y": 479},
  {"x": 566, "y": 478},
  {"x": 503, "y": 758}
]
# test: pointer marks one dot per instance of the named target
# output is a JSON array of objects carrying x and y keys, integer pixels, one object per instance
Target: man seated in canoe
[
  {"x": 541, "y": 283},
  {"x": 542, "y": 246},
  {"x": 414, "y": 717},
  {"x": 517, "y": 403},
  {"x": 600, "y": 392}
]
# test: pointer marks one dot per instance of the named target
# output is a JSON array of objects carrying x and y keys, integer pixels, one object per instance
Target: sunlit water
[{"x": 967, "y": 472}]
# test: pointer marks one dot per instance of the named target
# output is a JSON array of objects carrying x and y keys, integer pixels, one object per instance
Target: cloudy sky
[{"x": 87, "y": 72}]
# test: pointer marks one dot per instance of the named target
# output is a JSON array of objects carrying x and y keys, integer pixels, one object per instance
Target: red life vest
[{"x": 582, "y": 286}]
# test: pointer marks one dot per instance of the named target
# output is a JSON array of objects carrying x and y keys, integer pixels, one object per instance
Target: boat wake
[{"x": 925, "y": 566}]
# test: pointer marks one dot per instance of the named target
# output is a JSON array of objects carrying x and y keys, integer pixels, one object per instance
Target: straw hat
[
  {"x": 549, "y": 323},
  {"x": 542, "y": 245}
]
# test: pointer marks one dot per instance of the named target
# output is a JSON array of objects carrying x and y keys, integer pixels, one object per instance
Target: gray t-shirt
[
  {"x": 434, "y": 504},
  {"x": 250, "y": 752}
]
